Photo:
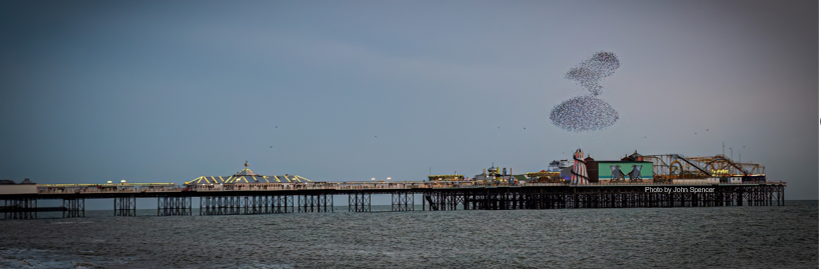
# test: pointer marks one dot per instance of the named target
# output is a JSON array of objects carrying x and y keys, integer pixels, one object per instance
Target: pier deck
[{"x": 264, "y": 198}]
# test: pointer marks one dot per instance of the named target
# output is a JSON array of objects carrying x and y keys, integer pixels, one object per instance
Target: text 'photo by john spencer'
[{"x": 409, "y": 134}]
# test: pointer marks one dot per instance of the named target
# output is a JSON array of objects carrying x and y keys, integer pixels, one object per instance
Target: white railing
[
  {"x": 136, "y": 189},
  {"x": 344, "y": 186}
]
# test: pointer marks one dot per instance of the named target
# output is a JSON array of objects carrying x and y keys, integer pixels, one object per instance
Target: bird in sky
[{"x": 272, "y": 146}]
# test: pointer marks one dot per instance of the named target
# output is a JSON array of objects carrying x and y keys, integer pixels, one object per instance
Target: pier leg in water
[
  {"x": 20, "y": 208},
  {"x": 402, "y": 201},
  {"x": 125, "y": 206},
  {"x": 431, "y": 205},
  {"x": 359, "y": 202},
  {"x": 174, "y": 206},
  {"x": 74, "y": 208}
]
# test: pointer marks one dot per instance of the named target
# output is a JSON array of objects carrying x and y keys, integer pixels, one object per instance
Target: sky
[{"x": 155, "y": 91}]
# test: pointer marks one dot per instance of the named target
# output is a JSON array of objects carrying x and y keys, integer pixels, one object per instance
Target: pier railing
[{"x": 90, "y": 189}]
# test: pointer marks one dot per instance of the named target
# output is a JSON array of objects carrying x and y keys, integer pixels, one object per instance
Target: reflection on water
[{"x": 764, "y": 237}]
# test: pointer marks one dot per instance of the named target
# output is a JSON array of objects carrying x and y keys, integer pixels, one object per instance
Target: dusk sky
[{"x": 154, "y": 91}]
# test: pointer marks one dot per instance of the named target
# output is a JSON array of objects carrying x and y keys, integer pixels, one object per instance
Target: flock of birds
[{"x": 587, "y": 112}]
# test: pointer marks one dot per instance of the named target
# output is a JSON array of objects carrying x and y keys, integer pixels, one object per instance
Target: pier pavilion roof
[{"x": 247, "y": 176}]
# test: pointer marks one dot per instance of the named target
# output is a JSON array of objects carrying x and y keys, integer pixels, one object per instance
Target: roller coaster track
[
  {"x": 729, "y": 162},
  {"x": 673, "y": 158},
  {"x": 741, "y": 168},
  {"x": 705, "y": 166}
]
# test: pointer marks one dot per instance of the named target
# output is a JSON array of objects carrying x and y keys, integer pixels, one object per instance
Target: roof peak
[{"x": 246, "y": 172}]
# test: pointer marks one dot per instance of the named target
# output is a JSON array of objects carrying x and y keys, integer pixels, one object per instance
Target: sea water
[{"x": 711, "y": 237}]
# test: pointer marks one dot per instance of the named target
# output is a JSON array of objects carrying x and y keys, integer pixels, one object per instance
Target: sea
[{"x": 706, "y": 237}]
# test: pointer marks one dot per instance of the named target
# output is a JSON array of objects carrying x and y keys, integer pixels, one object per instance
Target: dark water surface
[{"x": 718, "y": 237}]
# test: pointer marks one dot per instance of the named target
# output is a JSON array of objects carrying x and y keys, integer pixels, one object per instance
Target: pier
[{"x": 317, "y": 197}]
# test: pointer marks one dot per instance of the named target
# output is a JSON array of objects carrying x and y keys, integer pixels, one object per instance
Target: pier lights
[
  {"x": 389, "y": 179},
  {"x": 373, "y": 178}
]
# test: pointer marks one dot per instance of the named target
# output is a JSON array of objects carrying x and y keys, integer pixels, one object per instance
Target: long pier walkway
[{"x": 273, "y": 198}]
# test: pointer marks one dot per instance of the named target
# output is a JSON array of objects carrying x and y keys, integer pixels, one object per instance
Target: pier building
[{"x": 244, "y": 176}]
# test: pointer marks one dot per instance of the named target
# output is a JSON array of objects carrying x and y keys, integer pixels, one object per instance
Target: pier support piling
[
  {"x": 315, "y": 203},
  {"x": 402, "y": 201},
  {"x": 359, "y": 202},
  {"x": 74, "y": 208},
  {"x": 174, "y": 206},
  {"x": 125, "y": 206},
  {"x": 20, "y": 208}
]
